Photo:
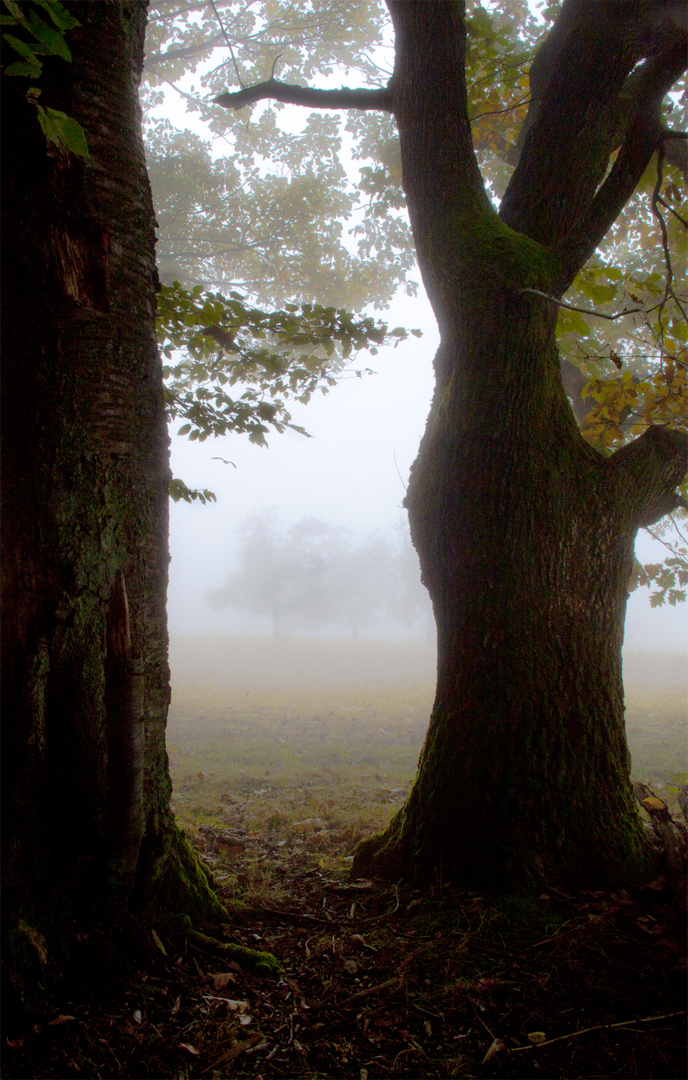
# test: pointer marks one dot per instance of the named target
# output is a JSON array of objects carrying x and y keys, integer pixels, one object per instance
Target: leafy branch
[
  {"x": 40, "y": 38},
  {"x": 269, "y": 357}
]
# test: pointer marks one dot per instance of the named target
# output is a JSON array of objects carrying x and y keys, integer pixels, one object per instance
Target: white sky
[{"x": 365, "y": 432}]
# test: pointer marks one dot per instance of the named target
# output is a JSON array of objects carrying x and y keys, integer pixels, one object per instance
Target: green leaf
[
  {"x": 62, "y": 19},
  {"x": 52, "y": 40},
  {"x": 27, "y": 51},
  {"x": 24, "y": 68},
  {"x": 62, "y": 130}
]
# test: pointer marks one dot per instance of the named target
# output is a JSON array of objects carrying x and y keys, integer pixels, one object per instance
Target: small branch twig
[
  {"x": 595, "y": 1027},
  {"x": 584, "y": 311},
  {"x": 229, "y": 44},
  {"x": 498, "y": 112},
  {"x": 656, "y": 199}
]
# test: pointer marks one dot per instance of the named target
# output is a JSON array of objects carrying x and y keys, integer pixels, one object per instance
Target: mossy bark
[{"x": 90, "y": 849}]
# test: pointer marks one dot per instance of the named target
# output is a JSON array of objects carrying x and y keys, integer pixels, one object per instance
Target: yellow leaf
[
  {"x": 537, "y": 1037},
  {"x": 652, "y": 803},
  {"x": 159, "y": 943}
]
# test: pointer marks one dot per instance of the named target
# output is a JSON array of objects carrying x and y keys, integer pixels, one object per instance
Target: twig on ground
[{"x": 595, "y": 1027}]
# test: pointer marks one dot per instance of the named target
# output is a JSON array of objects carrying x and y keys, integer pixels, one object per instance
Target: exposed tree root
[{"x": 670, "y": 840}]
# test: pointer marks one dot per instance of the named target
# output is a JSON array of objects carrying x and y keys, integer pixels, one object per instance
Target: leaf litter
[{"x": 376, "y": 980}]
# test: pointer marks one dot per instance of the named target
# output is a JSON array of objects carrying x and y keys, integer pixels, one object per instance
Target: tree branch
[
  {"x": 643, "y": 135},
  {"x": 676, "y": 150},
  {"x": 441, "y": 178},
  {"x": 578, "y": 76},
  {"x": 653, "y": 466},
  {"x": 308, "y": 96},
  {"x": 590, "y": 97},
  {"x": 154, "y": 59}
]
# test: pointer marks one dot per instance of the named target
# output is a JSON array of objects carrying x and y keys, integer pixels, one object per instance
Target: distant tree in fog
[
  {"x": 278, "y": 573},
  {"x": 314, "y": 575},
  {"x": 410, "y": 600}
]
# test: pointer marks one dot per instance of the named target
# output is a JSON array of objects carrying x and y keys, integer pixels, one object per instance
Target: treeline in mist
[{"x": 316, "y": 576}]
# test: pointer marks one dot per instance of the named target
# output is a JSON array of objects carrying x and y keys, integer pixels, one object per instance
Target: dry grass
[{"x": 281, "y": 738}]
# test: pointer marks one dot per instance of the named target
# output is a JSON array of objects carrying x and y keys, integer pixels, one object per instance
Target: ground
[{"x": 283, "y": 756}]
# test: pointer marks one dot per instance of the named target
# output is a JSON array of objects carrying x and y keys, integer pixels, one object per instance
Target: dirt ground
[{"x": 283, "y": 756}]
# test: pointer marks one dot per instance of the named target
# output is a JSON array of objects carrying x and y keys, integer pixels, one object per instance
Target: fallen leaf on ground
[
  {"x": 190, "y": 1048},
  {"x": 495, "y": 1047},
  {"x": 221, "y": 978}
]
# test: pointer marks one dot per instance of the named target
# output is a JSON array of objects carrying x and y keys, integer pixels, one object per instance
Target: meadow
[
  {"x": 315, "y": 743},
  {"x": 283, "y": 755}
]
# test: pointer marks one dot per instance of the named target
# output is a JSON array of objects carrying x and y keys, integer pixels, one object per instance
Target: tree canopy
[{"x": 265, "y": 204}]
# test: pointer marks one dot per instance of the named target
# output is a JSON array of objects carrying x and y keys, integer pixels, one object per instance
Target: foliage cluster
[{"x": 270, "y": 357}]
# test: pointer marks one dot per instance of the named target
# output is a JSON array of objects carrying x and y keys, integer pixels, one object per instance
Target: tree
[
  {"x": 524, "y": 531},
  {"x": 280, "y": 573},
  {"x": 92, "y": 859},
  {"x": 311, "y": 574}
]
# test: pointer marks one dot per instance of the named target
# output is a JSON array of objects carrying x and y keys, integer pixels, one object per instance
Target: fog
[{"x": 351, "y": 473}]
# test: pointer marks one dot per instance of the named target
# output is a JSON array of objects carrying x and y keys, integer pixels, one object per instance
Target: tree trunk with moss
[
  {"x": 91, "y": 856},
  {"x": 525, "y": 534}
]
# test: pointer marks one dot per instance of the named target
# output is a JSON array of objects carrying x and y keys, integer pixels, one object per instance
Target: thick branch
[
  {"x": 442, "y": 182},
  {"x": 653, "y": 466},
  {"x": 642, "y": 139},
  {"x": 588, "y": 56},
  {"x": 306, "y": 95},
  {"x": 588, "y": 100},
  {"x": 676, "y": 153},
  {"x": 155, "y": 59}
]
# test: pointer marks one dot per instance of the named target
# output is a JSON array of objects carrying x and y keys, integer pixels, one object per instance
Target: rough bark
[{"x": 87, "y": 830}]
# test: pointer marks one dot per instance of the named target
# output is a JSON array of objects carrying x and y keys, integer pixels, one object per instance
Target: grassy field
[{"x": 316, "y": 742}]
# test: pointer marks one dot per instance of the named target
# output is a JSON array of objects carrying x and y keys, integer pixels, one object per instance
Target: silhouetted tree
[{"x": 91, "y": 854}]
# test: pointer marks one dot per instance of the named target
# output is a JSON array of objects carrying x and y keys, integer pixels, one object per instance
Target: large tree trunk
[
  {"x": 525, "y": 534},
  {"x": 89, "y": 842}
]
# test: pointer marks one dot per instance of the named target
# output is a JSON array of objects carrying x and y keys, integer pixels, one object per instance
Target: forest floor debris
[
  {"x": 381, "y": 981},
  {"x": 377, "y": 980}
]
